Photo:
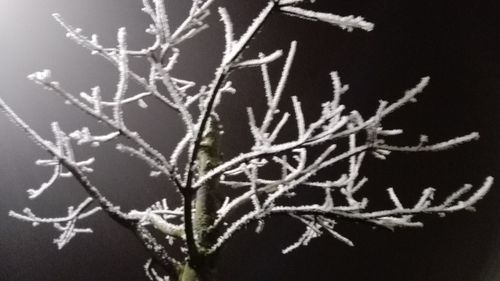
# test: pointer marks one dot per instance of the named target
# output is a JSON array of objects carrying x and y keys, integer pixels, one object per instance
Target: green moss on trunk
[{"x": 207, "y": 202}]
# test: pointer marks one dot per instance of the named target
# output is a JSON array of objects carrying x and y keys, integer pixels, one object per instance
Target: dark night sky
[{"x": 457, "y": 43}]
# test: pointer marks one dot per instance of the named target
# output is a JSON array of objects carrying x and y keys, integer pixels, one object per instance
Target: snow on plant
[{"x": 206, "y": 219}]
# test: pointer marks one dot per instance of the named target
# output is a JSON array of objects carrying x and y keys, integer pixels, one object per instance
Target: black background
[{"x": 454, "y": 42}]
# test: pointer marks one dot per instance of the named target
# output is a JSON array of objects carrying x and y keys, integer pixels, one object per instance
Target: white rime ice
[{"x": 334, "y": 138}]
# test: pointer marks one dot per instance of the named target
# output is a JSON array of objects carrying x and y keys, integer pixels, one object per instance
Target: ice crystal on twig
[{"x": 66, "y": 225}]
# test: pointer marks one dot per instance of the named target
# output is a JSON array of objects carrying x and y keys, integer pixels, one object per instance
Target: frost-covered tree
[{"x": 220, "y": 197}]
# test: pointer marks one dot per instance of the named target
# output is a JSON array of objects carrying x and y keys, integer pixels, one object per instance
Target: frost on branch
[
  {"x": 208, "y": 217},
  {"x": 348, "y": 23},
  {"x": 334, "y": 126},
  {"x": 66, "y": 225}
]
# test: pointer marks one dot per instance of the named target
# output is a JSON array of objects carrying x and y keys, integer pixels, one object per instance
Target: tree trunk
[
  {"x": 207, "y": 202},
  {"x": 200, "y": 272}
]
